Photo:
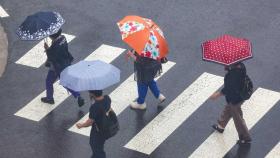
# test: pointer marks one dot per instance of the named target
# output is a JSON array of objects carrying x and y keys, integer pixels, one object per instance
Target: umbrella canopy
[
  {"x": 89, "y": 75},
  {"x": 40, "y": 25},
  {"x": 144, "y": 36},
  {"x": 227, "y": 50}
]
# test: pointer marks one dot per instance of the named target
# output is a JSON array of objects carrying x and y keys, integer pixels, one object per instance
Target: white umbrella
[{"x": 89, "y": 75}]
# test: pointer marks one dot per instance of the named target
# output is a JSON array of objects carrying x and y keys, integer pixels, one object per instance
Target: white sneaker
[
  {"x": 161, "y": 98},
  {"x": 135, "y": 105}
]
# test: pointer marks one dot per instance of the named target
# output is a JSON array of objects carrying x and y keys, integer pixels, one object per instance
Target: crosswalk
[
  {"x": 156, "y": 131},
  {"x": 36, "y": 56},
  {"x": 254, "y": 109},
  {"x": 148, "y": 139},
  {"x": 3, "y": 13},
  {"x": 36, "y": 110},
  {"x": 128, "y": 89},
  {"x": 275, "y": 152}
]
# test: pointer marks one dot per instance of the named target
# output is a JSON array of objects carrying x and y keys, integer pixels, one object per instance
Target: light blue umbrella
[{"x": 89, "y": 75}]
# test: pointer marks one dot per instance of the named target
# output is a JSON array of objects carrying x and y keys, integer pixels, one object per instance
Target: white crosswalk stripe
[
  {"x": 217, "y": 145},
  {"x": 275, "y": 152},
  {"x": 3, "y": 13},
  {"x": 149, "y": 138},
  {"x": 129, "y": 93},
  {"x": 36, "y": 56},
  {"x": 36, "y": 110},
  {"x": 105, "y": 53}
]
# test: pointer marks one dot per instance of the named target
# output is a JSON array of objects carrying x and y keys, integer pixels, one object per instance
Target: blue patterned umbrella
[
  {"x": 40, "y": 25},
  {"x": 89, "y": 75}
]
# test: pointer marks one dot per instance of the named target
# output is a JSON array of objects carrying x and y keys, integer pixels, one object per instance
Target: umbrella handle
[
  {"x": 46, "y": 44},
  {"x": 46, "y": 40},
  {"x": 129, "y": 54}
]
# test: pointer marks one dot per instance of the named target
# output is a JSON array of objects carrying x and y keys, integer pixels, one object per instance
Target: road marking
[
  {"x": 36, "y": 57},
  {"x": 217, "y": 145},
  {"x": 105, "y": 53},
  {"x": 275, "y": 152},
  {"x": 3, "y": 13},
  {"x": 150, "y": 137},
  {"x": 36, "y": 110},
  {"x": 119, "y": 103}
]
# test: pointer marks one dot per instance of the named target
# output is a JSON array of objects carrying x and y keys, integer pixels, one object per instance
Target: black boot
[
  {"x": 81, "y": 101},
  {"x": 47, "y": 100}
]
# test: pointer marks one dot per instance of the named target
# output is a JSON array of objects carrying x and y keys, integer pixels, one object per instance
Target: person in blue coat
[{"x": 58, "y": 58}]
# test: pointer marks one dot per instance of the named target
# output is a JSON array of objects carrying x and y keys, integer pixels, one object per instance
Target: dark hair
[
  {"x": 235, "y": 66},
  {"x": 163, "y": 60},
  {"x": 54, "y": 36},
  {"x": 97, "y": 93}
]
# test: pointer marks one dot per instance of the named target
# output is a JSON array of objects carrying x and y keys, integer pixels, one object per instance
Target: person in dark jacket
[
  {"x": 97, "y": 140},
  {"x": 146, "y": 69},
  {"x": 58, "y": 58},
  {"x": 233, "y": 84}
]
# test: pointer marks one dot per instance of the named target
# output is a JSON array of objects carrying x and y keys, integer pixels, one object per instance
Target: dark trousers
[
  {"x": 235, "y": 112},
  {"x": 97, "y": 144},
  {"x": 143, "y": 89},
  {"x": 51, "y": 78}
]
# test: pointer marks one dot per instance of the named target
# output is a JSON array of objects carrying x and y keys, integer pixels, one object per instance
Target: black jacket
[
  {"x": 146, "y": 69},
  {"x": 58, "y": 54},
  {"x": 97, "y": 109},
  {"x": 233, "y": 84}
]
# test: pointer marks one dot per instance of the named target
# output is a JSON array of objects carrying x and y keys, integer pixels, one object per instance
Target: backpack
[
  {"x": 247, "y": 89},
  {"x": 109, "y": 126}
]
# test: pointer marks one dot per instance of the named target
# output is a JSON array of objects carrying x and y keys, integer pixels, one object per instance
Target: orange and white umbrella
[{"x": 144, "y": 36}]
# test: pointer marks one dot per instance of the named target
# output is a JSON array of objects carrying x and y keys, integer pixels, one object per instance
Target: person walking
[
  {"x": 97, "y": 140},
  {"x": 58, "y": 58},
  {"x": 146, "y": 69},
  {"x": 233, "y": 84}
]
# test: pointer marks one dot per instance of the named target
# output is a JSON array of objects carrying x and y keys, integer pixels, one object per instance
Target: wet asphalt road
[{"x": 186, "y": 24}]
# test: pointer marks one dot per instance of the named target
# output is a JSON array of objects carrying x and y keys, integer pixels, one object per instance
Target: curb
[{"x": 3, "y": 50}]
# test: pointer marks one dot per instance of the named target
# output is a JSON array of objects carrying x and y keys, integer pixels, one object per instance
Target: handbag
[{"x": 109, "y": 125}]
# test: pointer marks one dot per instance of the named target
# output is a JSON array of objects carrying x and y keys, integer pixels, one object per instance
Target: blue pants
[
  {"x": 143, "y": 89},
  {"x": 51, "y": 78}
]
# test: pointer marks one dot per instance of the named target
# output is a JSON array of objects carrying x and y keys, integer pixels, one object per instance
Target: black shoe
[
  {"x": 81, "y": 101},
  {"x": 47, "y": 100},
  {"x": 243, "y": 142},
  {"x": 215, "y": 127}
]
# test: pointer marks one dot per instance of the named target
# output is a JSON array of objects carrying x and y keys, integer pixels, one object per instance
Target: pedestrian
[
  {"x": 97, "y": 140},
  {"x": 58, "y": 58},
  {"x": 233, "y": 84},
  {"x": 146, "y": 69}
]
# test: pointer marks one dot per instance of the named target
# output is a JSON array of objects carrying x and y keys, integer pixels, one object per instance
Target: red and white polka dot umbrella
[{"x": 227, "y": 50}]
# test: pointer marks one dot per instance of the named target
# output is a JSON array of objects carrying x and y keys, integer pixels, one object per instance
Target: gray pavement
[{"x": 186, "y": 24}]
